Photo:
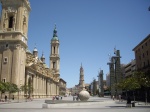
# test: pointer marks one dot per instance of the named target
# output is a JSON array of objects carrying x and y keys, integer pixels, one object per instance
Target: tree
[
  {"x": 8, "y": 87},
  {"x": 11, "y": 88},
  {"x": 28, "y": 89},
  {"x": 136, "y": 81},
  {"x": 3, "y": 88}
]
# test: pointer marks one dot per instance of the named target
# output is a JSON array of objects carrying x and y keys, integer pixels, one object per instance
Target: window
[
  {"x": 148, "y": 62},
  {"x": 10, "y": 21},
  {"x": 139, "y": 57},
  {"x": 4, "y": 80},
  {"x": 146, "y": 44},
  {"x": 147, "y": 53},
  {"x": 143, "y": 55},
  {"x": 142, "y": 47},
  {"x": 54, "y": 65},
  {"x": 138, "y": 49},
  {"x": 54, "y": 50},
  {"x": 5, "y": 59},
  {"x": 143, "y": 64}
]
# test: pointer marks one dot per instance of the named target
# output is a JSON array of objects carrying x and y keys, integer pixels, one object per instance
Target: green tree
[
  {"x": 136, "y": 81},
  {"x": 3, "y": 88},
  {"x": 28, "y": 89},
  {"x": 8, "y": 87},
  {"x": 11, "y": 88}
]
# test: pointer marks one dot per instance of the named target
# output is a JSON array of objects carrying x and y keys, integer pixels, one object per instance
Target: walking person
[
  {"x": 119, "y": 98},
  {"x": 113, "y": 97},
  {"x": 5, "y": 98}
]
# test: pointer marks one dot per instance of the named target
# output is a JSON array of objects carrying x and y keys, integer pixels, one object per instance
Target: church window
[
  {"x": 54, "y": 65},
  {"x": 5, "y": 60},
  {"x": 10, "y": 21},
  {"x": 54, "y": 50}
]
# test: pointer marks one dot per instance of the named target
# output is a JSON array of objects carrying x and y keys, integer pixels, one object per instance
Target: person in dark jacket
[{"x": 128, "y": 100}]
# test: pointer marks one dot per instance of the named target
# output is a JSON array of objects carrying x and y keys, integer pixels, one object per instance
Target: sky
[{"x": 88, "y": 30}]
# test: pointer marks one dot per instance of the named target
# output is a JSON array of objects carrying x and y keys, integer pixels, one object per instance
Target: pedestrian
[
  {"x": 5, "y": 98},
  {"x": 13, "y": 97},
  {"x": 128, "y": 100},
  {"x": 119, "y": 98},
  {"x": 113, "y": 97}
]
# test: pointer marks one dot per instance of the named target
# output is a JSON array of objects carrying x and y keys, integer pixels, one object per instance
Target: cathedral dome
[
  {"x": 35, "y": 49},
  {"x": 55, "y": 39}
]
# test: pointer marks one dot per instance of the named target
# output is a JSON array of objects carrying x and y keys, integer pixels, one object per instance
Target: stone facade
[{"x": 17, "y": 64}]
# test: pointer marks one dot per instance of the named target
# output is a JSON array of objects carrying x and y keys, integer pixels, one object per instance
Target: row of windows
[
  {"x": 143, "y": 46},
  {"x": 143, "y": 55},
  {"x": 144, "y": 64}
]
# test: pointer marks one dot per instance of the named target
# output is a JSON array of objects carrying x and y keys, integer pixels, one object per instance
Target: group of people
[
  {"x": 57, "y": 97},
  {"x": 121, "y": 99},
  {"x": 76, "y": 97}
]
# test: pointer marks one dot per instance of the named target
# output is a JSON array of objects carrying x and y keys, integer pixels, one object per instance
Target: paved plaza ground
[{"x": 95, "y": 104}]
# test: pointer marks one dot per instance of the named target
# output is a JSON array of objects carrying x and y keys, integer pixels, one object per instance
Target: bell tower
[
  {"x": 13, "y": 40},
  {"x": 54, "y": 55}
]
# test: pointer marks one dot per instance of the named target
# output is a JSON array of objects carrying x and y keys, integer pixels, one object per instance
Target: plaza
[{"x": 96, "y": 104}]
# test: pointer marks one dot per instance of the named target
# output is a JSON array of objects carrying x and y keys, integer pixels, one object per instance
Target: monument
[{"x": 83, "y": 94}]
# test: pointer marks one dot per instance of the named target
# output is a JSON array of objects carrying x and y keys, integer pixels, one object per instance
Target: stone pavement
[{"x": 98, "y": 104}]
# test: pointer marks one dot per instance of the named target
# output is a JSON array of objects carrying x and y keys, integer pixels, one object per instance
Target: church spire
[
  {"x": 43, "y": 58},
  {"x": 35, "y": 51},
  {"x": 55, "y": 38}
]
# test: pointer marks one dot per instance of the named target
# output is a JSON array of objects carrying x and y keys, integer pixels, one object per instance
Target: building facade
[
  {"x": 142, "y": 55},
  {"x": 62, "y": 87},
  {"x": 130, "y": 68},
  {"x": 17, "y": 64}
]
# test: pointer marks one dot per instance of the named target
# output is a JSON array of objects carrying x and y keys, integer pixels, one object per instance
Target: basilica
[{"x": 17, "y": 64}]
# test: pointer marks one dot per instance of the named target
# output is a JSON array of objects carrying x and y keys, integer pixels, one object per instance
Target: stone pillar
[
  {"x": 101, "y": 83},
  {"x": 37, "y": 89},
  {"x": 34, "y": 85},
  {"x": 112, "y": 77},
  {"x": 50, "y": 88},
  {"x": 118, "y": 71}
]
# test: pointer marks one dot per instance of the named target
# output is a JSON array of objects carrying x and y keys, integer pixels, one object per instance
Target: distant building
[
  {"x": 62, "y": 87},
  {"x": 130, "y": 68}
]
